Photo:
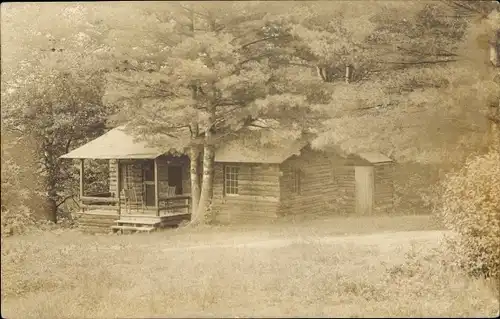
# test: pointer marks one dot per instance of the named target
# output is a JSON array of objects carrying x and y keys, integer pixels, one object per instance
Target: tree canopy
[
  {"x": 52, "y": 87},
  {"x": 410, "y": 79}
]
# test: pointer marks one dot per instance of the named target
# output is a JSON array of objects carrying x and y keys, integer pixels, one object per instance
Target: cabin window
[
  {"x": 231, "y": 176},
  {"x": 295, "y": 181}
]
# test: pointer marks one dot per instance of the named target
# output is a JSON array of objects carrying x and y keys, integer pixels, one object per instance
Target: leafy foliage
[
  {"x": 52, "y": 85},
  {"x": 57, "y": 110},
  {"x": 421, "y": 90},
  {"x": 218, "y": 72},
  {"x": 471, "y": 207}
]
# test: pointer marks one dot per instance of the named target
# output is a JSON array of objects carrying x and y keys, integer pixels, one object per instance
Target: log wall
[
  {"x": 96, "y": 222},
  {"x": 384, "y": 188},
  {"x": 345, "y": 188},
  {"x": 258, "y": 198},
  {"x": 324, "y": 179}
]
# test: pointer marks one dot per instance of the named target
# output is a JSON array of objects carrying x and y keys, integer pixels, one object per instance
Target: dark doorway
[
  {"x": 175, "y": 178},
  {"x": 149, "y": 183}
]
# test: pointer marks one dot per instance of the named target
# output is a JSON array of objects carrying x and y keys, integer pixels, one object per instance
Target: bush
[
  {"x": 471, "y": 208},
  {"x": 16, "y": 222}
]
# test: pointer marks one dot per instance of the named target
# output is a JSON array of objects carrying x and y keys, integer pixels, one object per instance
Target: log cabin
[{"x": 149, "y": 187}]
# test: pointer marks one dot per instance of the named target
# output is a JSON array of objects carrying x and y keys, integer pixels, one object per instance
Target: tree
[
  {"x": 471, "y": 208},
  {"x": 207, "y": 72},
  {"x": 58, "y": 111},
  {"x": 411, "y": 92},
  {"x": 52, "y": 84},
  {"x": 470, "y": 196}
]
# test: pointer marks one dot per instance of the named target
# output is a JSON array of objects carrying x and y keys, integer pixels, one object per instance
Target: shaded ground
[{"x": 330, "y": 267}]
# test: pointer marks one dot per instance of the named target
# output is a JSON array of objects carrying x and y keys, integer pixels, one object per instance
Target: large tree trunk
[
  {"x": 195, "y": 180},
  {"x": 202, "y": 212},
  {"x": 51, "y": 181},
  {"x": 51, "y": 208},
  {"x": 207, "y": 186}
]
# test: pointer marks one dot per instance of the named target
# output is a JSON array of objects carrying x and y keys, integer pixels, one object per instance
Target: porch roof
[
  {"x": 116, "y": 144},
  {"x": 374, "y": 157}
]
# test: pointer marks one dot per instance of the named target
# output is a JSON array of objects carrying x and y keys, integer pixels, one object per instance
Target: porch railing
[
  {"x": 175, "y": 204},
  {"x": 106, "y": 201}
]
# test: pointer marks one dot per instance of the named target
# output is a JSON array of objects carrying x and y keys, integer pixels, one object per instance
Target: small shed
[
  {"x": 316, "y": 182},
  {"x": 374, "y": 186}
]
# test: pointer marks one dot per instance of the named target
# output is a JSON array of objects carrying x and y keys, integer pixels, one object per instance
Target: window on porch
[{"x": 231, "y": 176}]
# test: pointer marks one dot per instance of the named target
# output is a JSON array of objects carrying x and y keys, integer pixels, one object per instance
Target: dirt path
[{"x": 387, "y": 240}]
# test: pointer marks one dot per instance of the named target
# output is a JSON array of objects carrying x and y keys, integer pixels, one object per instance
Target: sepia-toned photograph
[{"x": 250, "y": 159}]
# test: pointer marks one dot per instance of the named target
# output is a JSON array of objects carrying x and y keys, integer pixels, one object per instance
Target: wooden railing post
[
  {"x": 82, "y": 168},
  {"x": 118, "y": 186},
  {"x": 157, "y": 190}
]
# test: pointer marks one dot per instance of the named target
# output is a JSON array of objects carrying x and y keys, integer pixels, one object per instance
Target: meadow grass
[{"x": 283, "y": 270}]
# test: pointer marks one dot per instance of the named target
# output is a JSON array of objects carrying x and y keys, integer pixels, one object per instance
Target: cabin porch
[
  {"x": 146, "y": 183},
  {"x": 144, "y": 194}
]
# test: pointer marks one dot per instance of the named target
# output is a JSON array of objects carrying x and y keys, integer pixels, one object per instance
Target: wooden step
[
  {"x": 133, "y": 228},
  {"x": 147, "y": 222}
]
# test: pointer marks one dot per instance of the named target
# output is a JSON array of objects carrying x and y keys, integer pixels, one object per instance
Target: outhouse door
[{"x": 365, "y": 186}]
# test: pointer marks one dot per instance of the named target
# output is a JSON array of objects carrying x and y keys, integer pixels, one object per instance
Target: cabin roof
[
  {"x": 238, "y": 152},
  {"x": 120, "y": 144},
  {"x": 374, "y": 157},
  {"x": 116, "y": 144}
]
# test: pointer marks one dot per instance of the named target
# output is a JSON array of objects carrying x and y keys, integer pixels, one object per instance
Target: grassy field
[{"x": 337, "y": 267}]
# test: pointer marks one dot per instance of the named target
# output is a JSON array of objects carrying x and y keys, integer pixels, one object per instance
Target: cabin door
[
  {"x": 175, "y": 178},
  {"x": 149, "y": 183},
  {"x": 364, "y": 178}
]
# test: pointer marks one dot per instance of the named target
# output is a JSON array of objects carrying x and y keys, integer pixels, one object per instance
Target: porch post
[
  {"x": 157, "y": 191},
  {"x": 118, "y": 186},
  {"x": 82, "y": 170}
]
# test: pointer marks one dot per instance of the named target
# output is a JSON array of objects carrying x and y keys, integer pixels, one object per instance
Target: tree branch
[
  {"x": 262, "y": 40},
  {"x": 463, "y": 6},
  {"x": 194, "y": 12},
  {"x": 65, "y": 199},
  {"x": 417, "y": 62},
  {"x": 444, "y": 54},
  {"x": 255, "y": 58},
  {"x": 68, "y": 144},
  {"x": 259, "y": 126}
]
